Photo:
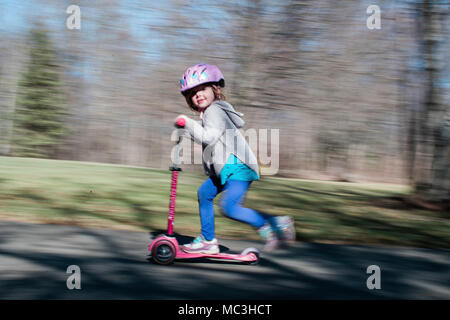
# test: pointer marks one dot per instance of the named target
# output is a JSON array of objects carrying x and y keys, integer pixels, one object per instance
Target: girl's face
[{"x": 202, "y": 97}]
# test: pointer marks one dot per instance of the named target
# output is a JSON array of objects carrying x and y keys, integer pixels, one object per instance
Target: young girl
[{"x": 202, "y": 86}]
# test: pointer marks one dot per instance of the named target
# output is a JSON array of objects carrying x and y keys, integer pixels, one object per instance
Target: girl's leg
[
  {"x": 206, "y": 194},
  {"x": 232, "y": 200},
  {"x": 271, "y": 228}
]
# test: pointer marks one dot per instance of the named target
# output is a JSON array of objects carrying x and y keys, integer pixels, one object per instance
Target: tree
[
  {"x": 39, "y": 109},
  {"x": 434, "y": 115}
]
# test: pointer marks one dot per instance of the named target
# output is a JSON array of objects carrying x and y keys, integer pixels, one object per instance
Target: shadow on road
[{"x": 114, "y": 265}]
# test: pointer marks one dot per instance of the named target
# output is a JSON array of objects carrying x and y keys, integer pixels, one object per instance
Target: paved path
[{"x": 114, "y": 265}]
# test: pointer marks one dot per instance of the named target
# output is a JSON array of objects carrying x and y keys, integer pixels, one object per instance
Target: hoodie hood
[{"x": 235, "y": 117}]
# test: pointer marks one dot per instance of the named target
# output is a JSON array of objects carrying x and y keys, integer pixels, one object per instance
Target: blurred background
[
  {"x": 86, "y": 118},
  {"x": 352, "y": 104}
]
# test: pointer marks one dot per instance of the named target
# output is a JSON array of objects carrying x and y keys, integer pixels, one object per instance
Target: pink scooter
[{"x": 165, "y": 249}]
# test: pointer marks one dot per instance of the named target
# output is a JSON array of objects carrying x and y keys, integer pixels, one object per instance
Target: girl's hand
[{"x": 180, "y": 121}]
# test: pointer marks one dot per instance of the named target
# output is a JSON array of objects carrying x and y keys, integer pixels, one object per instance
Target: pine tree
[{"x": 39, "y": 111}]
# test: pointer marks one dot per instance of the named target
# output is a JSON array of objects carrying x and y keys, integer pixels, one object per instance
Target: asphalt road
[{"x": 114, "y": 265}]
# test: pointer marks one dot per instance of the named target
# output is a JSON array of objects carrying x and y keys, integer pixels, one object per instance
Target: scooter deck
[{"x": 227, "y": 256}]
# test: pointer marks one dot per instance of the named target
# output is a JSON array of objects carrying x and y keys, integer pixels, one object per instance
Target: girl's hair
[{"x": 218, "y": 94}]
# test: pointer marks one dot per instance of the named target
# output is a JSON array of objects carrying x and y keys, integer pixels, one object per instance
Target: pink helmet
[{"x": 199, "y": 74}]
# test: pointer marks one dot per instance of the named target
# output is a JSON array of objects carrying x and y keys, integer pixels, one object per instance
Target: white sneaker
[
  {"x": 201, "y": 245},
  {"x": 269, "y": 236},
  {"x": 285, "y": 226}
]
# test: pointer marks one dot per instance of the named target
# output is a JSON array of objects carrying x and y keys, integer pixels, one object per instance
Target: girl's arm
[{"x": 213, "y": 126}]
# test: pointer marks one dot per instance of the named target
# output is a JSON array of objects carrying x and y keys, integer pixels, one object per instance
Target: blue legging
[{"x": 230, "y": 204}]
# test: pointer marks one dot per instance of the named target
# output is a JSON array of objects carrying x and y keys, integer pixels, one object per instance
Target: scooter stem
[{"x": 173, "y": 191}]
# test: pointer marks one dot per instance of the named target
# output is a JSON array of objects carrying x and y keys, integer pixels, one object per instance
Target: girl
[{"x": 202, "y": 86}]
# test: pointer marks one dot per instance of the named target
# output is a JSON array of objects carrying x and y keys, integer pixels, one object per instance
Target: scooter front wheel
[{"x": 164, "y": 252}]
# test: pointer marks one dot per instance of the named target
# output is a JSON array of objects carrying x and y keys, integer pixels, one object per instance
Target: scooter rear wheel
[
  {"x": 163, "y": 252},
  {"x": 253, "y": 251}
]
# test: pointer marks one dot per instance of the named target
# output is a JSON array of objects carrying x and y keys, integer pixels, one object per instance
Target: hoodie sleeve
[{"x": 213, "y": 126}]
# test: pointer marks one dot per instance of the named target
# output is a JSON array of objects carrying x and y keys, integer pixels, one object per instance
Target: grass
[{"x": 131, "y": 198}]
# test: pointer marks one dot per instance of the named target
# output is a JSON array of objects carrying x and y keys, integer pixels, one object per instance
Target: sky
[{"x": 16, "y": 15}]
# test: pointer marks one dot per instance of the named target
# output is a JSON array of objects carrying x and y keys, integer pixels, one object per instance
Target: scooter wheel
[
  {"x": 163, "y": 252},
  {"x": 254, "y": 262},
  {"x": 253, "y": 251}
]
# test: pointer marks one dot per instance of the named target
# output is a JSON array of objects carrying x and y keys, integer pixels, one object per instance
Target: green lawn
[{"x": 119, "y": 197}]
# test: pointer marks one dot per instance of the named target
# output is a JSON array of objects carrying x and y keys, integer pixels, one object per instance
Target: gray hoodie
[{"x": 219, "y": 136}]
